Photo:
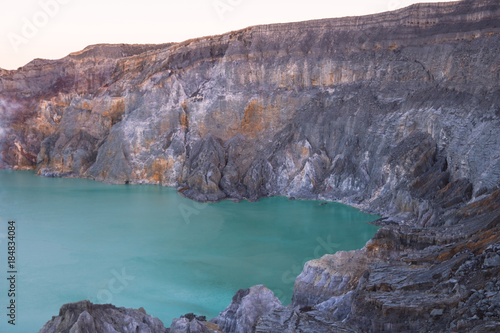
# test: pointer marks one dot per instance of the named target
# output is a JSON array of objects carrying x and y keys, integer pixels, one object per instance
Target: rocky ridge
[{"x": 396, "y": 113}]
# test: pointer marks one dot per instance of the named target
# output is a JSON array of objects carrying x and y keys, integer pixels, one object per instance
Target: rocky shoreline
[{"x": 396, "y": 113}]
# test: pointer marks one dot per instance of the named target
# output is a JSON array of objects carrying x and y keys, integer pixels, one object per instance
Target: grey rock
[
  {"x": 246, "y": 308},
  {"x": 337, "y": 307},
  {"x": 184, "y": 325},
  {"x": 331, "y": 127},
  {"x": 87, "y": 317},
  {"x": 288, "y": 319},
  {"x": 180, "y": 325},
  {"x": 191, "y": 323},
  {"x": 437, "y": 312},
  {"x": 396, "y": 113},
  {"x": 492, "y": 260},
  {"x": 206, "y": 160},
  {"x": 330, "y": 276}
]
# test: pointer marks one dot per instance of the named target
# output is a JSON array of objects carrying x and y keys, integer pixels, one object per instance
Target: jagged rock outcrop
[
  {"x": 410, "y": 279},
  {"x": 87, "y": 317},
  {"x": 396, "y": 113},
  {"x": 191, "y": 323},
  {"x": 246, "y": 308}
]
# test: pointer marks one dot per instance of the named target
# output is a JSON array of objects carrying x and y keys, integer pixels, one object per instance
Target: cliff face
[
  {"x": 345, "y": 108},
  {"x": 397, "y": 113}
]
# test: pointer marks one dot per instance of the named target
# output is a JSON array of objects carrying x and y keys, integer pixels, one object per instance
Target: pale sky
[{"x": 51, "y": 29}]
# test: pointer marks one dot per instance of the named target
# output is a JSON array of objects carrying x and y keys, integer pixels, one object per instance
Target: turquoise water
[{"x": 146, "y": 246}]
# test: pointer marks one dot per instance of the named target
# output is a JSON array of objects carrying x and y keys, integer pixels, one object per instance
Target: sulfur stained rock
[
  {"x": 396, "y": 113},
  {"x": 385, "y": 111},
  {"x": 329, "y": 276}
]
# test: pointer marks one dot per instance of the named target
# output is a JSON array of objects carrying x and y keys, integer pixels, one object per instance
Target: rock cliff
[{"x": 396, "y": 113}]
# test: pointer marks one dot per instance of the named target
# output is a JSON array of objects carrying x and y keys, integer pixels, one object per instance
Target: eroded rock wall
[{"x": 353, "y": 109}]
